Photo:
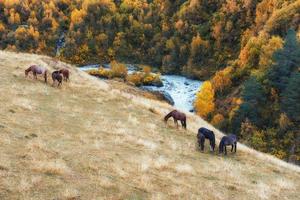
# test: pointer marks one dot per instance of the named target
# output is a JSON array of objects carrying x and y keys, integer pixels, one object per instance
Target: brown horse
[
  {"x": 56, "y": 77},
  {"x": 36, "y": 70},
  {"x": 177, "y": 116},
  {"x": 66, "y": 73}
]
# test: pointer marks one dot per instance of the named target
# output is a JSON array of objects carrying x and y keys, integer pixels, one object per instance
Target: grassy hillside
[{"x": 89, "y": 140}]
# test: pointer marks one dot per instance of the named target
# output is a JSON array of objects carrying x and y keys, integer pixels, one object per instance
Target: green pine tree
[
  {"x": 286, "y": 60},
  {"x": 290, "y": 101},
  {"x": 253, "y": 97}
]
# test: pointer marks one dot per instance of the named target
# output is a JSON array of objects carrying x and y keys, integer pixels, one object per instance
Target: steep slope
[{"x": 89, "y": 141}]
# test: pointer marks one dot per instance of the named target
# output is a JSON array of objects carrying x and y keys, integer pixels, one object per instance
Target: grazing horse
[
  {"x": 57, "y": 77},
  {"x": 66, "y": 73},
  {"x": 204, "y": 133},
  {"x": 226, "y": 141},
  {"x": 37, "y": 70},
  {"x": 177, "y": 116}
]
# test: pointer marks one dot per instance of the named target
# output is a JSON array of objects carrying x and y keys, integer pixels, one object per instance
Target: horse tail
[{"x": 168, "y": 116}]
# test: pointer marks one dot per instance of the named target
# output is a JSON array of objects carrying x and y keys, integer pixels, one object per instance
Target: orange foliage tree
[{"x": 221, "y": 80}]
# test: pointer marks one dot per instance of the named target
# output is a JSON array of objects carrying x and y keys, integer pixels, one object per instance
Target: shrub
[
  {"x": 135, "y": 78},
  {"x": 152, "y": 79},
  {"x": 217, "y": 120},
  {"x": 118, "y": 70},
  {"x": 101, "y": 72},
  {"x": 147, "y": 69}
]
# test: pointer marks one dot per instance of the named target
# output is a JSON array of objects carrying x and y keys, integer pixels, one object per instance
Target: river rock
[
  {"x": 168, "y": 98},
  {"x": 161, "y": 94}
]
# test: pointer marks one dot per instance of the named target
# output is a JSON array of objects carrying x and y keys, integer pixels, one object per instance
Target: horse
[
  {"x": 57, "y": 77},
  {"x": 226, "y": 141},
  {"x": 204, "y": 133},
  {"x": 176, "y": 116},
  {"x": 66, "y": 73},
  {"x": 37, "y": 70}
]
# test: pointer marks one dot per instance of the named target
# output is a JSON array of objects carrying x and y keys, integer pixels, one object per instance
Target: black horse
[
  {"x": 57, "y": 77},
  {"x": 226, "y": 141},
  {"x": 204, "y": 133}
]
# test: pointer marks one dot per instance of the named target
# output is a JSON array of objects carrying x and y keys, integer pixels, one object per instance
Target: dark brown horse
[
  {"x": 36, "y": 70},
  {"x": 177, "y": 116},
  {"x": 56, "y": 77},
  {"x": 66, "y": 73}
]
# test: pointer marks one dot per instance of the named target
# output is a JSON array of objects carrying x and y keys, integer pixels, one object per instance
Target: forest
[{"x": 248, "y": 51}]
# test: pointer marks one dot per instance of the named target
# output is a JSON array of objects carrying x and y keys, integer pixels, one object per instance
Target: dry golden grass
[{"x": 91, "y": 140}]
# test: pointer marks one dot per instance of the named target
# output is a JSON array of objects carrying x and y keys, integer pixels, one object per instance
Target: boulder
[{"x": 163, "y": 95}]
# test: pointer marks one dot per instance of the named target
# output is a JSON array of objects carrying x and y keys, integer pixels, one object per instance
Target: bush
[
  {"x": 135, "y": 78},
  {"x": 141, "y": 78},
  {"x": 147, "y": 69},
  {"x": 217, "y": 120},
  {"x": 152, "y": 79},
  {"x": 118, "y": 70},
  {"x": 101, "y": 72}
]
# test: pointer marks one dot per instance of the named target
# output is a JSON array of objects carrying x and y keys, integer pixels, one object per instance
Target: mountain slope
[{"x": 89, "y": 141}]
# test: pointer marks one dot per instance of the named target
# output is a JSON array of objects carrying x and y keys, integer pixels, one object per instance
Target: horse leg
[
  {"x": 232, "y": 148},
  {"x": 235, "y": 147},
  {"x": 182, "y": 123},
  {"x": 225, "y": 150},
  {"x": 45, "y": 76},
  {"x": 202, "y": 141},
  {"x": 176, "y": 123},
  {"x": 34, "y": 75},
  {"x": 211, "y": 146}
]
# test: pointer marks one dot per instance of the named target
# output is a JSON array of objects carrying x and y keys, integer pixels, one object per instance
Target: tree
[
  {"x": 222, "y": 79},
  {"x": 290, "y": 100},
  {"x": 204, "y": 103},
  {"x": 199, "y": 50},
  {"x": 253, "y": 95},
  {"x": 265, "y": 59},
  {"x": 286, "y": 60}
]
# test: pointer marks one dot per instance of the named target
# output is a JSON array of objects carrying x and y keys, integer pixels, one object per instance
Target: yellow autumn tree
[
  {"x": 268, "y": 49},
  {"x": 77, "y": 17},
  {"x": 14, "y": 17},
  {"x": 204, "y": 103},
  {"x": 2, "y": 27},
  {"x": 222, "y": 79}
]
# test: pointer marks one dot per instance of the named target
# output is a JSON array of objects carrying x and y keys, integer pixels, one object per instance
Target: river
[{"x": 182, "y": 90}]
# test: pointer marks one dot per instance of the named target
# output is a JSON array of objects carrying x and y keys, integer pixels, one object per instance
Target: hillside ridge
[{"x": 90, "y": 140}]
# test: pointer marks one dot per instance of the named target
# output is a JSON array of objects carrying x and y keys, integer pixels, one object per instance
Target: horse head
[{"x": 27, "y": 71}]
